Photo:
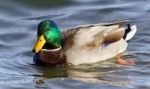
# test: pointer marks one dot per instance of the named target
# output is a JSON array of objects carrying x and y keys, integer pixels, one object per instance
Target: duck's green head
[{"x": 49, "y": 36}]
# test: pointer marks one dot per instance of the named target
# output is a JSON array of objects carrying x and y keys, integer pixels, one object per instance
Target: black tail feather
[{"x": 127, "y": 31}]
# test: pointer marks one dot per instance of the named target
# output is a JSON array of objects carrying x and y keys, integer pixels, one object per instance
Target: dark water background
[{"x": 18, "y": 23}]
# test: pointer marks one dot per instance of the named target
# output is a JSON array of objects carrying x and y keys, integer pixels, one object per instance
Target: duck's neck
[{"x": 50, "y": 46}]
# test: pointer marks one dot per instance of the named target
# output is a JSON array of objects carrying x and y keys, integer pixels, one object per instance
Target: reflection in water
[
  {"x": 101, "y": 73},
  {"x": 98, "y": 77},
  {"x": 47, "y": 72}
]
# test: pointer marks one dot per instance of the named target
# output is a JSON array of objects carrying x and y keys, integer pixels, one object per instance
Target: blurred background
[{"x": 18, "y": 27}]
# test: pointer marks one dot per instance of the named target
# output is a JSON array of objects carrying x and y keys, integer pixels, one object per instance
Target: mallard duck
[{"x": 83, "y": 44}]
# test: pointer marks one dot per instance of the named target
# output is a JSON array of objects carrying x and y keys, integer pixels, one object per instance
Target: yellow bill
[{"x": 39, "y": 44}]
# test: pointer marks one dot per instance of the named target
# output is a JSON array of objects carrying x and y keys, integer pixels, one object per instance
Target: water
[{"x": 18, "y": 23}]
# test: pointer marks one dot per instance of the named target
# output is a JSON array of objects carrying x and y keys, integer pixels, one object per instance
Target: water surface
[{"x": 18, "y": 23}]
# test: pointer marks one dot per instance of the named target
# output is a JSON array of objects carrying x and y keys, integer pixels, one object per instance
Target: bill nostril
[{"x": 33, "y": 50}]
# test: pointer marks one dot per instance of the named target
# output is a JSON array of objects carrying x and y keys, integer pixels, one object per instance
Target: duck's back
[{"x": 87, "y": 45}]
